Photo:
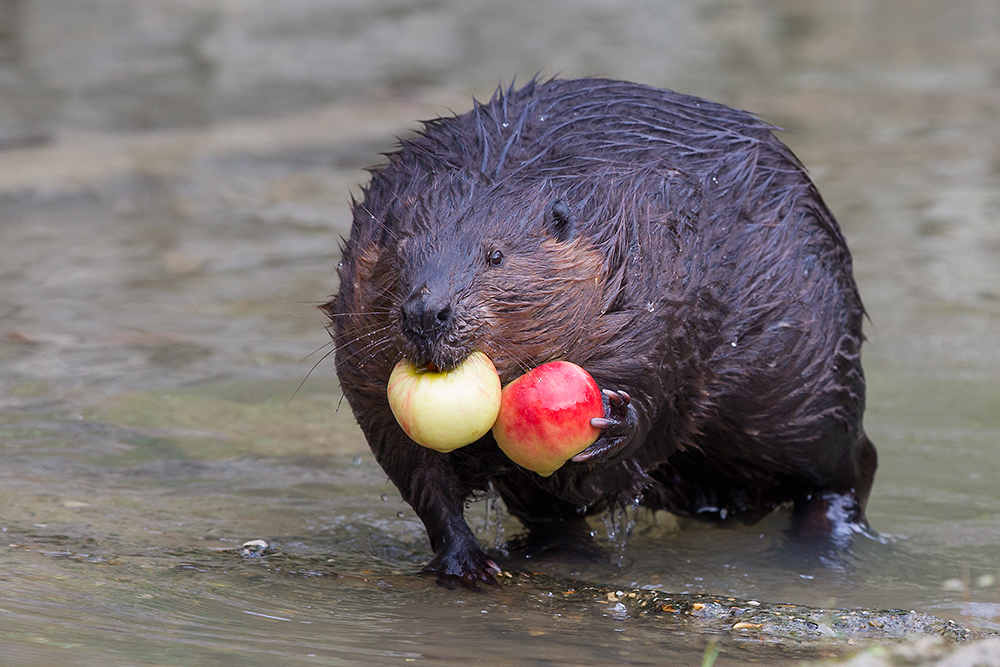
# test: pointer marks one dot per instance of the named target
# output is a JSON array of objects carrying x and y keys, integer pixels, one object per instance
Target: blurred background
[{"x": 174, "y": 179}]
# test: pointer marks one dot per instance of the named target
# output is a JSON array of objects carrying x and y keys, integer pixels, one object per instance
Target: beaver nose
[{"x": 425, "y": 315}]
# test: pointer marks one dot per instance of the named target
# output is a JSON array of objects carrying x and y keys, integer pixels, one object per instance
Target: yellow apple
[
  {"x": 445, "y": 410},
  {"x": 545, "y": 416}
]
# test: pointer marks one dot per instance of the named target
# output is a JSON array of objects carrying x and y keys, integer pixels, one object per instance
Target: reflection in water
[{"x": 174, "y": 177}]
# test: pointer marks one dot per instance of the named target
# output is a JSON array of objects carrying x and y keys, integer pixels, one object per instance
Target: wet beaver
[{"x": 672, "y": 247}]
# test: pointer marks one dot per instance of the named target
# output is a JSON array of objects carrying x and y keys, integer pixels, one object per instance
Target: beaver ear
[{"x": 559, "y": 220}]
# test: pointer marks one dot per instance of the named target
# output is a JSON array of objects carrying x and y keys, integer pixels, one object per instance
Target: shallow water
[{"x": 173, "y": 180}]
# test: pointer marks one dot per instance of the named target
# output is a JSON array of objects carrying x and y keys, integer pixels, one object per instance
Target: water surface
[{"x": 174, "y": 178}]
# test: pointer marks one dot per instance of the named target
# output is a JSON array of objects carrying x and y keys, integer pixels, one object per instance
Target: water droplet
[
  {"x": 357, "y": 459},
  {"x": 619, "y": 525},
  {"x": 399, "y": 514},
  {"x": 505, "y": 124},
  {"x": 493, "y": 520},
  {"x": 384, "y": 496}
]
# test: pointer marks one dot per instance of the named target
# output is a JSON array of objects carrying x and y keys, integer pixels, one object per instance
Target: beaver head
[{"x": 460, "y": 268}]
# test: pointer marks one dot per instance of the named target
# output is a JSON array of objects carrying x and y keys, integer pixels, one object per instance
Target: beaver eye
[{"x": 495, "y": 258}]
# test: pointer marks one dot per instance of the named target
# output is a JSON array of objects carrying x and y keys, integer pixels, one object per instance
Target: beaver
[{"x": 671, "y": 246}]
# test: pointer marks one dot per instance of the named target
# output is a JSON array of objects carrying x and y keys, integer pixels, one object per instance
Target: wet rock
[{"x": 254, "y": 549}]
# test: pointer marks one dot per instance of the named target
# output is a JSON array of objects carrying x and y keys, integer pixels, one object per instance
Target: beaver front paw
[
  {"x": 463, "y": 567},
  {"x": 617, "y": 424}
]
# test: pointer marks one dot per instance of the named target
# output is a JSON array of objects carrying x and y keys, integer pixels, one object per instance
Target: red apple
[
  {"x": 545, "y": 416},
  {"x": 445, "y": 410}
]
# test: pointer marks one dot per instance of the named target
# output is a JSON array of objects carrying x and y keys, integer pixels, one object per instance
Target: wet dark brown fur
[{"x": 671, "y": 246}]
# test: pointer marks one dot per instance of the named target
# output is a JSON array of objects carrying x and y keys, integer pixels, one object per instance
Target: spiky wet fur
[{"x": 701, "y": 273}]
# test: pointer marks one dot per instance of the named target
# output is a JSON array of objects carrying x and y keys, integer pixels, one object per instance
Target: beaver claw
[
  {"x": 616, "y": 425},
  {"x": 463, "y": 569}
]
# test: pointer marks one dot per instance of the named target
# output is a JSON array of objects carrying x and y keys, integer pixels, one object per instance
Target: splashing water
[
  {"x": 619, "y": 522},
  {"x": 492, "y": 524}
]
